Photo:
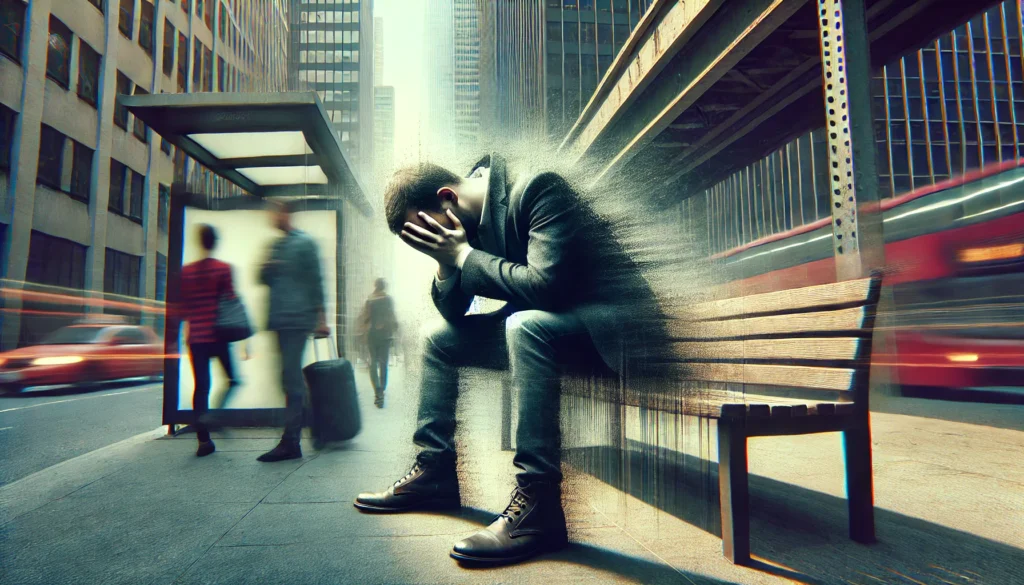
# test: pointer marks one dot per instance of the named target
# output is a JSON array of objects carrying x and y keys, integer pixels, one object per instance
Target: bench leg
[
  {"x": 859, "y": 484},
  {"x": 733, "y": 496}
]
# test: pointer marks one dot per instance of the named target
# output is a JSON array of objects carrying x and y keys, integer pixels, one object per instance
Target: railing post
[{"x": 853, "y": 179}]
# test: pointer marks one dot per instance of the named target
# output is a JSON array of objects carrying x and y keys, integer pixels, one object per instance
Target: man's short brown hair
[{"x": 415, "y": 187}]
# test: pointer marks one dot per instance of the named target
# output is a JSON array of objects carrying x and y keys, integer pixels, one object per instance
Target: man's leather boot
[
  {"x": 425, "y": 487},
  {"x": 533, "y": 523}
]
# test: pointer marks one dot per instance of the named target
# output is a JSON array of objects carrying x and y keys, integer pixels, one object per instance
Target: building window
[
  {"x": 147, "y": 32},
  {"x": 88, "y": 73},
  {"x": 220, "y": 74},
  {"x": 208, "y": 14},
  {"x": 98, "y": 4},
  {"x": 116, "y": 201},
  {"x": 161, "y": 277},
  {"x": 12, "y": 23},
  {"x": 136, "y": 197},
  {"x": 55, "y": 261},
  {"x": 207, "y": 69},
  {"x": 165, "y": 147},
  {"x": 58, "y": 53},
  {"x": 7, "y": 119},
  {"x": 81, "y": 172},
  {"x": 222, "y": 22},
  {"x": 121, "y": 273},
  {"x": 164, "y": 210},
  {"x": 126, "y": 17},
  {"x": 555, "y": 32},
  {"x": 197, "y": 64},
  {"x": 185, "y": 6},
  {"x": 182, "y": 63},
  {"x": 140, "y": 127},
  {"x": 124, "y": 87},
  {"x": 50, "y": 171},
  {"x": 168, "y": 48}
]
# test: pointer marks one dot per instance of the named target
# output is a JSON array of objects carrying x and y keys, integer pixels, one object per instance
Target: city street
[
  {"x": 42, "y": 429},
  {"x": 949, "y": 490}
]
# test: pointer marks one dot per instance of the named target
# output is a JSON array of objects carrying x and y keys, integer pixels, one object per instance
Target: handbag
[{"x": 232, "y": 322}]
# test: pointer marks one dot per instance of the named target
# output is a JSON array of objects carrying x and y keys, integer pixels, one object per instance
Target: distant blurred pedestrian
[
  {"x": 203, "y": 284},
  {"x": 297, "y": 310},
  {"x": 377, "y": 328}
]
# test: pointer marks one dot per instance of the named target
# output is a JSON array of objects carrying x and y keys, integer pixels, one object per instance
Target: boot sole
[
  {"x": 429, "y": 505},
  {"x": 498, "y": 561},
  {"x": 277, "y": 459}
]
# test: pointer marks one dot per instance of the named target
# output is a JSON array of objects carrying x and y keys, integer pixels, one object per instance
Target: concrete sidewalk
[{"x": 950, "y": 497}]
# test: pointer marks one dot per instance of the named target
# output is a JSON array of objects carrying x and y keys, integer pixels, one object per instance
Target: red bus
[{"x": 955, "y": 268}]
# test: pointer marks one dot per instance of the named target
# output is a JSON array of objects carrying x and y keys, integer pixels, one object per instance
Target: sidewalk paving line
[
  {"x": 19, "y": 488},
  {"x": 76, "y": 399}
]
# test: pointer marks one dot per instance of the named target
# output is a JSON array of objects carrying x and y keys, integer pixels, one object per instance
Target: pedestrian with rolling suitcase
[
  {"x": 296, "y": 311},
  {"x": 332, "y": 392}
]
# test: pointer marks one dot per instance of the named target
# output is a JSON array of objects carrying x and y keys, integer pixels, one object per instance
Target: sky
[{"x": 403, "y": 50}]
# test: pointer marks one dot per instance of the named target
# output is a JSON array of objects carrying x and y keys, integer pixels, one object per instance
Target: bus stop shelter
[{"x": 269, "y": 145}]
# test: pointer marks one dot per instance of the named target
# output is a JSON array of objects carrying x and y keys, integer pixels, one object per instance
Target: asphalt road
[{"x": 41, "y": 429}]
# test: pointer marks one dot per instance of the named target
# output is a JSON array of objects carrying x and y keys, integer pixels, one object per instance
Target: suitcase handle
[{"x": 332, "y": 352}]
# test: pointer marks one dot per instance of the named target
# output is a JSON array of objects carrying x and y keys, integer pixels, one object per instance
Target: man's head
[
  {"x": 207, "y": 237},
  {"x": 431, "y": 189},
  {"x": 280, "y": 214},
  {"x": 380, "y": 285}
]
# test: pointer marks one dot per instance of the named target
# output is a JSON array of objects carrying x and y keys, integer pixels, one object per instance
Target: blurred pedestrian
[
  {"x": 296, "y": 310},
  {"x": 377, "y": 327},
  {"x": 203, "y": 284}
]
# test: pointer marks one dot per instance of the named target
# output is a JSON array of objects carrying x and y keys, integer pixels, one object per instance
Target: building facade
[
  {"x": 383, "y": 133},
  {"x": 331, "y": 44},
  {"x": 545, "y": 59},
  {"x": 378, "y": 51},
  {"x": 953, "y": 107},
  {"x": 84, "y": 188},
  {"x": 452, "y": 72}
]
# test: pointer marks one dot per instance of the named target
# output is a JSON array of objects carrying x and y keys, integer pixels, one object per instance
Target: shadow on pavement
[
  {"x": 596, "y": 557},
  {"x": 804, "y": 530}
]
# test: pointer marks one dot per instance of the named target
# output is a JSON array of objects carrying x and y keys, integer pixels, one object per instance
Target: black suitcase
[{"x": 333, "y": 399}]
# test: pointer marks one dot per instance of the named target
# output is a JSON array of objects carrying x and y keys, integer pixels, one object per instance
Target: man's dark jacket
[{"x": 540, "y": 246}]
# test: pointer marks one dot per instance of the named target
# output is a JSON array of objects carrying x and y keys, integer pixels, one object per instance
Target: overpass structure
[{"x": 705, "y": 87}]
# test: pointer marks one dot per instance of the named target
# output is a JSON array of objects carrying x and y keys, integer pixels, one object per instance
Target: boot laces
[
  {"x": 412, "y": 472},
  {"x": 518, "y": 504}
]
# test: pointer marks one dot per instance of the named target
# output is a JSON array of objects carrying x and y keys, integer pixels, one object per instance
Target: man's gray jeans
[
  {"x": 292, "y": 345},
  {"x": 531, "y": 342}
]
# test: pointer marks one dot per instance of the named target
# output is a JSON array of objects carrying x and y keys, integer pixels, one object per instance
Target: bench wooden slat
[
  {"x": 721, "y": 403},
  {"x": 824, "y": 295},
  {"x": 842, "y": 379},
  {"x": 810, "y": 349},
  {"x": 843, "y": 320}
]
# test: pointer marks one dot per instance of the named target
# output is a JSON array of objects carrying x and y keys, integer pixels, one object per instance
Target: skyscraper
[
  {"x": 452, "y": 74},
  {"x": 378, "y": 51},
  {"x": 466, "y": 73},
  {"x": 330, "y": 44},
  {"x": 546, "y": 58},
  {"x": 383, "y": 111},
  {"x": 383, "y": 131}
]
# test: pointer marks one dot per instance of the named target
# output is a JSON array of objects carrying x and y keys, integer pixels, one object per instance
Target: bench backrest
[{"x": 809, "y": 343}]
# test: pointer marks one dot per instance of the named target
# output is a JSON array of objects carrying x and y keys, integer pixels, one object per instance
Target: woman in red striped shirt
[{"x": 203, "y": 284}]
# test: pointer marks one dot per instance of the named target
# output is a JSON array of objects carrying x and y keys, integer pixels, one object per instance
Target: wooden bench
[{"x": 783, "y": 363}]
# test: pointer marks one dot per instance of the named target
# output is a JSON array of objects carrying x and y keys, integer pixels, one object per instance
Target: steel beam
[
  {"x": 667, "y": 27},
  {"x": 736, "y": 33},
  {"x": 853, "y": 180}
]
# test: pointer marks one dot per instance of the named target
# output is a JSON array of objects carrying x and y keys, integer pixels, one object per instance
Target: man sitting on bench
[{"x": 530, "y": 240}]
